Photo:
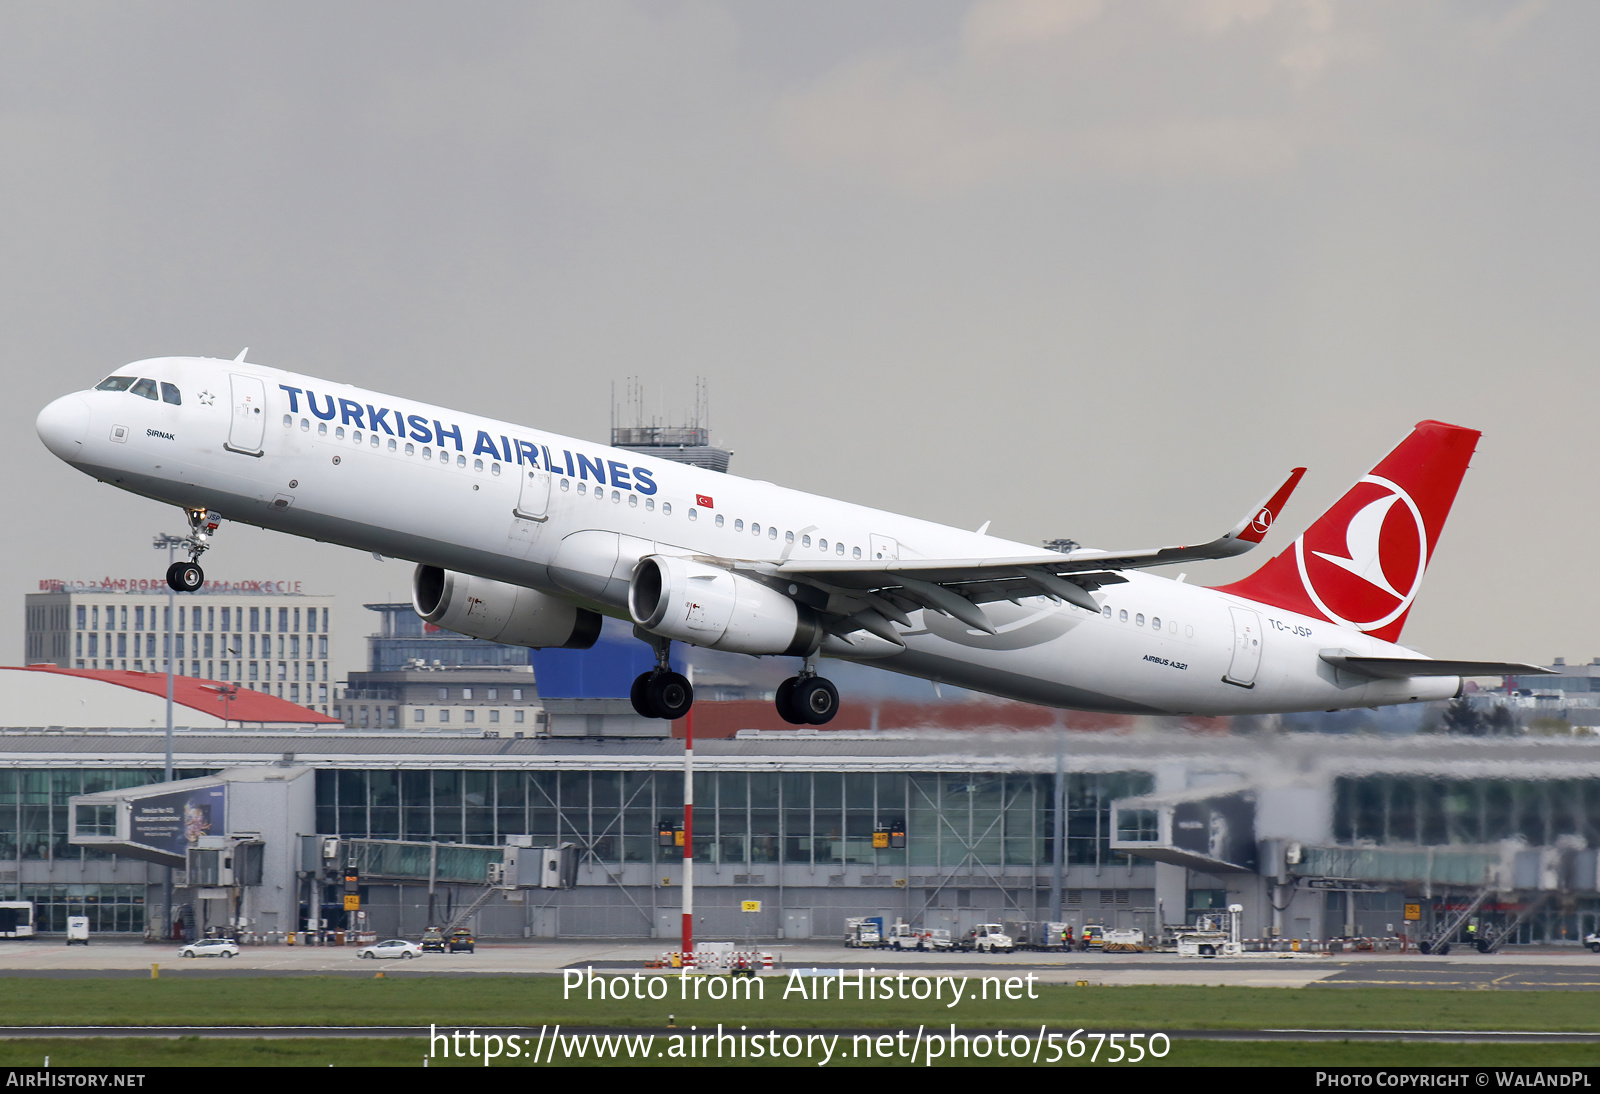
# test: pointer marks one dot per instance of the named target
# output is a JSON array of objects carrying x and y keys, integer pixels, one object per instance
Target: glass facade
[
  {"x": 811, "y": 818},
  {"x": 1416, "y": 809},
  {"x": 108, "y": 908}
]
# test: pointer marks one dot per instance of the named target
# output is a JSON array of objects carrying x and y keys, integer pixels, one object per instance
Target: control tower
[{"x": 689, "y": 443}]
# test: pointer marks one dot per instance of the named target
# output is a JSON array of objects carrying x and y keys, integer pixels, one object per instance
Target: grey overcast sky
[{"x": 1078, "y": 267}]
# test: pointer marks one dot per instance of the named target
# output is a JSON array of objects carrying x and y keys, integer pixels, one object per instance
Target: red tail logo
[{"x": 1361, "y": 563}]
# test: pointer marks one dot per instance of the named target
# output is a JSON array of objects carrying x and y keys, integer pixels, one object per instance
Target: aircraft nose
[{"x": 63, "y": 425}]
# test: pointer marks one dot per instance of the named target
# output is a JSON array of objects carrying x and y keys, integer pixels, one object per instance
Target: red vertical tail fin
[{"x": 1361, "y": 563}]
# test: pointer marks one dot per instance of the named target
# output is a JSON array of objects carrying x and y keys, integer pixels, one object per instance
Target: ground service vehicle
[
  {"x": 863, "y": 932},
  {"x": 1121, "y": 940},
  {"x": 16, "y": 919},
  {"x": 461, "y": 941},
  {"x": 987, "y": 938},
  {"x": 432, "y": 940},
  {"x": 1213, "y": 935},
  {"x": 525, "y": 536},
  {"x": 77, "y": 929}
]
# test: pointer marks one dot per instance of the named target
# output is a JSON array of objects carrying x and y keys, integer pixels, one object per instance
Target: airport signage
[
  {"x": 266, "y": 586},
  {"x": 173, "y": 822}
]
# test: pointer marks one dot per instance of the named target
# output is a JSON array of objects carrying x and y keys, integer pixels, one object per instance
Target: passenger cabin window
[
  {"x": 855, "y": 552},
  {"x": 720, "y": 520},
  {"x": 169, "y": 394},
  {"x": 805, "y": 541},
  {"x": 755, "y": 529},
  {"x": 1138, "y": 620},
  {"x": 1123, "y": 615},
  {"x": 738, "y": 525},
  {"x": 693, "y": 514},
  {"x": 115, "y": 383},
  {"x": 838, "y": 548},
  {"x": 145, "y": 389},
  {"x": 1155, "y": 622}
]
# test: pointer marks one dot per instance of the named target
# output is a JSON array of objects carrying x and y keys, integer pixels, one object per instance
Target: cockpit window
[
  {"x": 169, "y": 394},
  {"x": 145, "y": 388},
  {"x": 115, "y": 383}
]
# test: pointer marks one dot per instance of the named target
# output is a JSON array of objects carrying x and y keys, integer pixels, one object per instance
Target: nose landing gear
[
  {"x": 187, "y": 577},
  {"x": 661, "y": 693}
]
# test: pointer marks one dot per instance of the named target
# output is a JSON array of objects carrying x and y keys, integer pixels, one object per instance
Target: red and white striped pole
[{"x": 688, "y": 835}]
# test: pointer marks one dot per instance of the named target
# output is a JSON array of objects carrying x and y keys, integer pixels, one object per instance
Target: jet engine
[
  {"x": 709, "y": 606},
  {"x": 497, "y": 612}
]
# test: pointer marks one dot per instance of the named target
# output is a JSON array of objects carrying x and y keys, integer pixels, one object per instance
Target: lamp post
[{"x": 171, "y": 543}]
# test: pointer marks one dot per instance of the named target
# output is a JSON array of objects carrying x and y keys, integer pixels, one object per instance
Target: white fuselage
[{"x": 516, "y": 504}]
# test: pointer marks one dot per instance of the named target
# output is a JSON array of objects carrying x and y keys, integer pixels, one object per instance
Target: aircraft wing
[{"x": 867, "y": 594}]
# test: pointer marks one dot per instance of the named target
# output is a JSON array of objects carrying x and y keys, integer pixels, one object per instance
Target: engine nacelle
[
  {"x": 497, "y": 612},
  {"x": 709, "y": 606}
]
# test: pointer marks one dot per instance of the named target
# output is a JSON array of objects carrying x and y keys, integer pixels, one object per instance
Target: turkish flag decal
[{"x": 703, "y": 501}]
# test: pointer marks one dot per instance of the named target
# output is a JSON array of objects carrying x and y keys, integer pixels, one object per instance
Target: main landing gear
[
  {"x": 807, "y": 699},
  {"x": 187, "y": 577},
  {"x": 661, "y": 693}
]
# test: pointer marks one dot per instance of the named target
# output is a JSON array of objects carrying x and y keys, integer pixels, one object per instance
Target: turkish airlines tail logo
[{"x": 1361, "y": 563}]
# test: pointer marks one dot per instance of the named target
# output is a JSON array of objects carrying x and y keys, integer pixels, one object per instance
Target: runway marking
[{"x": 1477, "y": 983}]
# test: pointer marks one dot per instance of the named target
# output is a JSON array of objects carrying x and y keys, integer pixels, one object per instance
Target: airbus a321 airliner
[{"x": 527, "y": 537}]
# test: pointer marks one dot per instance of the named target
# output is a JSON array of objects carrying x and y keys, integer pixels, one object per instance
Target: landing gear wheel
[
  {"x": 669, "y": 694},
  {"x": 185, "y": 577},
  {"x": 638, "y": 697},
  {"x": 785, "y": 703},
  {"x": 816, "y": 700}
]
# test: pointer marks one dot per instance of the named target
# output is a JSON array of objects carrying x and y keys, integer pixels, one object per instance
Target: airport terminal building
[{"x": 1316, "y": 836}]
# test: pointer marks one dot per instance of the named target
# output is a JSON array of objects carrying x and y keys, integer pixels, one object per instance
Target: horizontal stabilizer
[{"x": 1399, "y": 668}]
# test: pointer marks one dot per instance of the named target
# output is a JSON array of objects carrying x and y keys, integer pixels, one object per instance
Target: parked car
[
  {"x": 460, "y": 939},
  {"x": 432, "y": 940},
  {"x": 210, "y": 947},
  {"x": 1592, "y": 941},
  {"x": 394, "y": 947}
]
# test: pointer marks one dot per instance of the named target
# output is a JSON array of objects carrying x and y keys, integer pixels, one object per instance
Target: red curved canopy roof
[{"x": 233, "y": 702}]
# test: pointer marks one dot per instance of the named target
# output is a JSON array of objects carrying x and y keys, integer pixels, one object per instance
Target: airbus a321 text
[{"x": 524, "y": 536}]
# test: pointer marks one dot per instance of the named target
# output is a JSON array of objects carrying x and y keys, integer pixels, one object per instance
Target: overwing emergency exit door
[{"x": 534, "y": 501}]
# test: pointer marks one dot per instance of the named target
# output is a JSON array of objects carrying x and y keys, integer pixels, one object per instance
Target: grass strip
[{"x": 535, "y": 1001}]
